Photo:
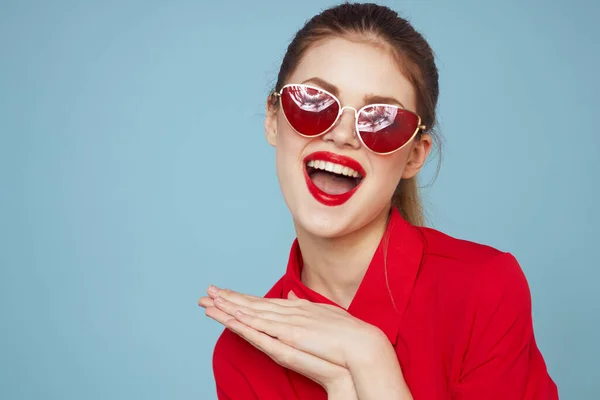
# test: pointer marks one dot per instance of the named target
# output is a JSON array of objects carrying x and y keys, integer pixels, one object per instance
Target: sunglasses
[{"x": 381, "y": 128}]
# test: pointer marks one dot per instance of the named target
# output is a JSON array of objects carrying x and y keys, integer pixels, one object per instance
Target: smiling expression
[{"x": 359, "y": 184}]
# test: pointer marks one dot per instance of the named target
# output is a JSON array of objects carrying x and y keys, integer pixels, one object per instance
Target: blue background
[{"x": 134, "y": 172}]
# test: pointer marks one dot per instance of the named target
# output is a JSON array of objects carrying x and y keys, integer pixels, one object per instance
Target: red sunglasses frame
[{"x": 356, "y": 114}]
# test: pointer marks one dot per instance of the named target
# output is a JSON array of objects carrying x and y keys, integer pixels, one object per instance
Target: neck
[{"x": 334, "y": 267}]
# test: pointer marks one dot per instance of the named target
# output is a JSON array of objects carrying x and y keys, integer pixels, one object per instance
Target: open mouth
[{"x": 331, "y": 178}]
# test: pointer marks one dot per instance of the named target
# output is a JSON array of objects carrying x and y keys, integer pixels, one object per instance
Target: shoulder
[
  {"x": 484, "y": 300},
  {"x": 473, "y": 271},
  {"x": 442, "y": 251},
  {"x": 441, "y": 245}
]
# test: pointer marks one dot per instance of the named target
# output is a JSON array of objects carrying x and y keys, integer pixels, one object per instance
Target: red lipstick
[{"x": 326, "y": 198}]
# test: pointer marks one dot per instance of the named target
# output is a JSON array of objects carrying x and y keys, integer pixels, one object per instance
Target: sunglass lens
[
  {"x": 309, "y": 111},
  {"x": 384, "y": 129}
]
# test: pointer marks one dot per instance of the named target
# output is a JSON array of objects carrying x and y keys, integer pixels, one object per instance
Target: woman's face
[{"x": 358, "y": 74}]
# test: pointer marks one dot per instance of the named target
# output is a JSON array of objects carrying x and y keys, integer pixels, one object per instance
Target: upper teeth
[{"x": 332, "y": 167}]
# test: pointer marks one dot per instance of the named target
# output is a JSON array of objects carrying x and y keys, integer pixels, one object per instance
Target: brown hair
[{"x": 381, "y": 26}]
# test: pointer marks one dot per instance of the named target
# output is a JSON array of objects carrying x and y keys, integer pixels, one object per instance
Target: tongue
[{"x": 332, "y": 183}]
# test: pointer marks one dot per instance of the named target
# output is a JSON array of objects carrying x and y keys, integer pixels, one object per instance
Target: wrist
[
  {"x": 341, "y": 389},
  {"x": 374, "y": 346},
  {"x": 376, "y": 371}
]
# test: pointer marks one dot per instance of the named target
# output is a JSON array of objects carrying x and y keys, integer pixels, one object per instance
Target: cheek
[
  {"x": 289, "y": 148},
  {"x": 388, "y": 169},
  {"x": 289, "y": 143}
]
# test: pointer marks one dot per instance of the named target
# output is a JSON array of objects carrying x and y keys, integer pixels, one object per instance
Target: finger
[
  {"x": 274, "y": 328},
  {"x": 214, "y": 291},
  {"x": 206, "y": 302},
  {"x": 257, "y": 303},
  {"x": 293, "y": 333},
  {"x": 232, "y": 295},
  {"x": 231, "y": 308},
  {"x": 306, "y": 364},
  {"x": 218, "y": 315},
  {"x": 260, "y": 340}
]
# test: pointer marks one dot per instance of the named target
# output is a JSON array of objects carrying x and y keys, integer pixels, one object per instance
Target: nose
[{"x": 343, "y": 134}]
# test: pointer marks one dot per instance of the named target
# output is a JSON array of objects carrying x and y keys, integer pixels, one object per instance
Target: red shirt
[{"x": 457, "y": 313}]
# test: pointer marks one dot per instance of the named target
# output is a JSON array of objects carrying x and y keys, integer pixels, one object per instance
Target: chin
[
  {"x": 329, "y": 222},
  {"x": 324, "y": 223}
]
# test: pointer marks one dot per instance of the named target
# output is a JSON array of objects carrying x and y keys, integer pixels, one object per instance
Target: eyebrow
[{"x": 367, "y": 99}]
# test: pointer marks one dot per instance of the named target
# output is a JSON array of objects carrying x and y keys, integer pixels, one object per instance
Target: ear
[
  {"x": 271, "y": 121},
  {"x": 418, "y": 155}
]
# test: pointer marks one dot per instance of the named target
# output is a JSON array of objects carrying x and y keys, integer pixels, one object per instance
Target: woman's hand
[
  {"x": 335, "y": 379},
  {"x": 325, "y": 331}
]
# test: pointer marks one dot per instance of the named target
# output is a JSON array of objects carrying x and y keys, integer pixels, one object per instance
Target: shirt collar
[{"x": 384, "y": 292}]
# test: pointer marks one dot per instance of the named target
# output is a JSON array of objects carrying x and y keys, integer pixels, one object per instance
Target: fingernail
[{"x": 212, "y": 289}]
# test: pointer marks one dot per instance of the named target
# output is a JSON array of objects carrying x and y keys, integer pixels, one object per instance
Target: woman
[{"x": 373, "y": 305}]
